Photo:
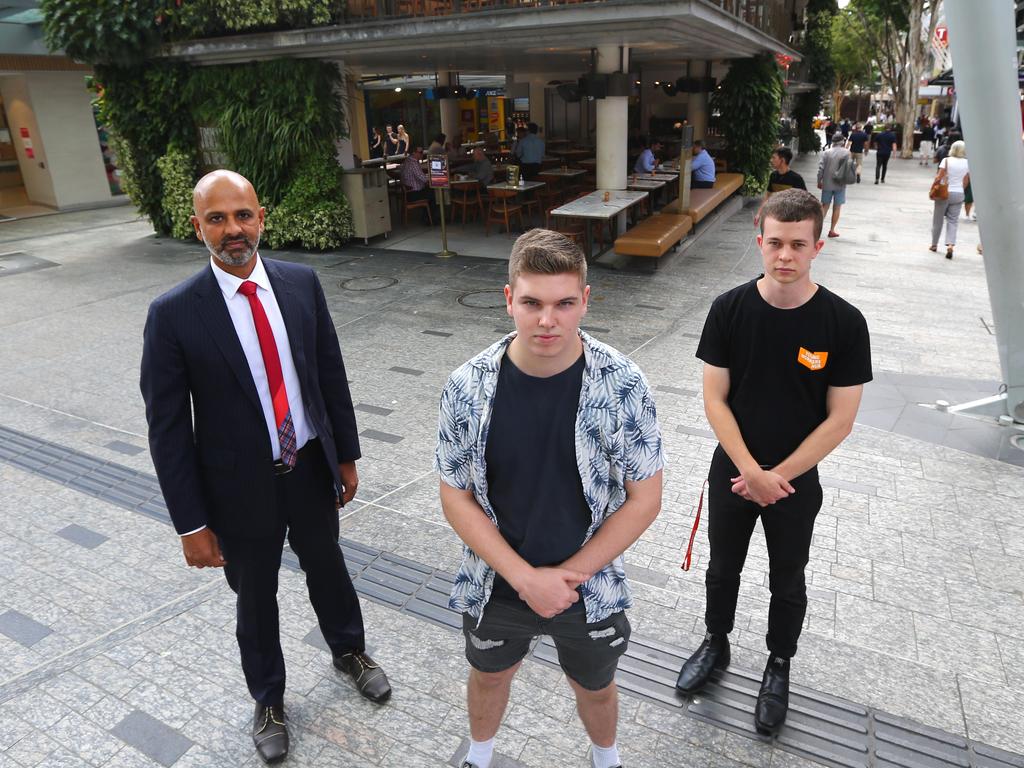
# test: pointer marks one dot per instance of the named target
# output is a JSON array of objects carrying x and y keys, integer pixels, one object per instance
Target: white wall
[
  {"x": 67, "y": 134},
  {"x": 18, "y": 105}
]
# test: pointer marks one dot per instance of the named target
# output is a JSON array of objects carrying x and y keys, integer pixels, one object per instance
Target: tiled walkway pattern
[{"x": 916, "y": 574}]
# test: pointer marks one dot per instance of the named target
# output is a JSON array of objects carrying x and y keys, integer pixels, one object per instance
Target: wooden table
[
  {"x": 594, "y": 207},
  {"x": 524, "y": 186},
  {"x": 568, "y": 173}
]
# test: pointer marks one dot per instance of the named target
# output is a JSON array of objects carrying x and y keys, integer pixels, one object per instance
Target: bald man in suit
[{"x": 253, "y": 437}]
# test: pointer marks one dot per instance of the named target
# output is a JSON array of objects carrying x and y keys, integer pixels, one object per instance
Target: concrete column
[
  {"x": 449, "y": 108},
  {"x": 697, "y": 106},
  {"x": 355, "y": 114},
  {"x": 345, "y": 147},
  {"x": 612, "y": 125},
  {"x": 982, "y": 41}
]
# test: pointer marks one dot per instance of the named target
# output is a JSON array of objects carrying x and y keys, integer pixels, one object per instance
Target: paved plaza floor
[{"x": 114, "y": 653}]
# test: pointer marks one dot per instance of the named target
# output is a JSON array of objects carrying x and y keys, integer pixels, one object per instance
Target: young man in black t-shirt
[
  {"x": 785, "y": 361},
  {"x": 550, "y": 459},
  {"x": 857, "y": 144},
  {"x": 782, "y": 177}
]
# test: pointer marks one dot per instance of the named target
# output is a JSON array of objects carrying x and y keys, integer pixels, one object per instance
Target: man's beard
[{"x": 226, "y": 257}]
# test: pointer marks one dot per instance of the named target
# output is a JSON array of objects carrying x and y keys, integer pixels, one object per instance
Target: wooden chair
[
  {"x": 466, "y": 195},
  {"x": 501, "y": 212},
  {"x": 408, "y": 205},
  {"x": 574, "y": 229}
]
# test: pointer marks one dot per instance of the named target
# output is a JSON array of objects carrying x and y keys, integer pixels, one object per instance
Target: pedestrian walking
[
  {"x": 254, "y": 440},
  {"x": 835, "y": 171},
  {"x": 927, "y": 143},
  {"x": 955, "y": 171},
  {"x": 883, "y": 143},
  {"x": 785, "y": 360},
  {"x": 550, "y": 459},
  {"x": 857, "y": 144}
]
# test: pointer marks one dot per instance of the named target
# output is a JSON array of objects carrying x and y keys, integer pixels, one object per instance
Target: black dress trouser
[
  {"x": 788, "y": 526},
  {"x": 307, "y": 516},
  {"x": 881, "y": 165}
]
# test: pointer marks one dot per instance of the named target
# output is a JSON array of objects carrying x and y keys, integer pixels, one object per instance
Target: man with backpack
[{"x": 836, "y": 169}]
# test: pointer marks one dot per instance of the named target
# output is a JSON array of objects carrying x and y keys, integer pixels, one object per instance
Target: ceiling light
[{"x": 398, "y": 89}]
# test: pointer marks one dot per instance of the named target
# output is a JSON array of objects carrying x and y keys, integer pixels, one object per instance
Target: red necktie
[{"x": 275, "y": 380}]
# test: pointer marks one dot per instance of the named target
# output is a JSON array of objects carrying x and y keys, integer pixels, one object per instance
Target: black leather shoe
[
  {"x": 269, "y": 733},
  {"x": 369, "y": 678},
  {"x": 773, "y": 699},
  {"x": 711, "y": 654}
]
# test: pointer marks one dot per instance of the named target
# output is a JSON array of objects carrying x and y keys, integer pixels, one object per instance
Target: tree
[
  {"x": 851, "y": 58},
  {"x": 901, "y": 42},
  {"x": 815, "y": 48}
]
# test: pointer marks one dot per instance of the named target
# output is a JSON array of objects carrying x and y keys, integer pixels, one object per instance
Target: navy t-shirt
[
  {"x": 857, "y": 141},
  {"x": 533, "y": 480},
  {"x": 782, "y": 361},
  {"x": 884, "y": 142}
]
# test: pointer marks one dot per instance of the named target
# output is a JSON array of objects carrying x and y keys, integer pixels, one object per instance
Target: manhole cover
[
  {"x": 372, "y": 283},
  {"x": 494, "y": 299}
]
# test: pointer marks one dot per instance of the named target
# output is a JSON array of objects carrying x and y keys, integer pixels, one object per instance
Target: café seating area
[{"x": 562, "y": 196}]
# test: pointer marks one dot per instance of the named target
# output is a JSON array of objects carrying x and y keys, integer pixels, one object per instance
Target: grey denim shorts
[{"x": 588, "y": 653}]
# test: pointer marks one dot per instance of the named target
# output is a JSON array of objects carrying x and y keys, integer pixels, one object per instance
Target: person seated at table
[
  {"x": 702, "y": 169},
  {"x": 647, "y": 161},
  {"x": 437, "y": 145},
  {"x": 415, "y": 181},
  {"x": 529, "y": 151},
  {"x": 457, "y": 155},
  {"x": 481, "y": 169}
]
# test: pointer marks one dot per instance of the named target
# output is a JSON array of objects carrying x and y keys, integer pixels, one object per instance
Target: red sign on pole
[
  {"x": 942, "y": 34},
  {"x": 438, "y": 171}
]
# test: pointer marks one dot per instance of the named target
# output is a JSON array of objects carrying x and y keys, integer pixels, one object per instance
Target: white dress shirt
[{"x": 245, "y": 328}]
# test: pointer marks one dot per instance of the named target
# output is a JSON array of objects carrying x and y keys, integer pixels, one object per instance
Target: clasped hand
[
  {"x": 551, "y": 590},
  {"x": 202, "y": 549},
  {"x": 762, "y": 486}
]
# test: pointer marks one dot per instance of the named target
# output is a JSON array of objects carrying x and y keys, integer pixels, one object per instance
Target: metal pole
[
  {"x": 444, "y": 252},
  {"x": 982, "y": 41}
]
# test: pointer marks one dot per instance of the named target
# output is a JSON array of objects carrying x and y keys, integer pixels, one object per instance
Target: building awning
[
  {"x": 946, "y": 78},
  {"x": 537, "y": 39}
]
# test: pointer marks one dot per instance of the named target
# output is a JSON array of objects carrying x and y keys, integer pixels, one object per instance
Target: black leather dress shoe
[
  {"x": 369, "y": 678},
  {"x": 711, "y": 654},
  {"x": 269, "y": 733},
  {"x": 773, "y": 699}
]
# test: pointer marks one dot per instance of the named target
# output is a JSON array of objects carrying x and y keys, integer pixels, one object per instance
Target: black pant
[
  {"x": 788, "y": 525},
  {"x": 305, "y": 502},
  {"x": 881, "y": 165},
  {"x": 694, "y": 184}
]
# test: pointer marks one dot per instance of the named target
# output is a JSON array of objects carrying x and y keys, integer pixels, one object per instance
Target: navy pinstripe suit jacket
[{"x": 207, "y": 432}]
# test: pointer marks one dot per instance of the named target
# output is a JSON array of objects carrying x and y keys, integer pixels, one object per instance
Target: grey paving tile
[
  {"x": 384, "y": 437},
  {"x": 152, "y": 738},
  {"x": 82, "y": 536},
  {"x": 442, "y": 334},
  {"x": 965, "y": 650},
  {"x": 696, "y": 431},
  {"x": 126, "y": 448},
  {"x": 677, "y": 390},
  {"x": 993, "y": 714},
  {"x": 22, "y": 628},
  {"x": 406, "y": 371},
  {"x": 374, "y": 409}
]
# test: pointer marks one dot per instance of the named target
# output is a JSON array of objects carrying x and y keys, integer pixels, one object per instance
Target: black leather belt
[{"x": 280, "y": 468}]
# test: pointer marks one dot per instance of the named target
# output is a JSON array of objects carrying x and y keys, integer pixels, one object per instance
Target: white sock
[
  {"x": 604, "y": 757},
  {"x": 480, "y": 753}
]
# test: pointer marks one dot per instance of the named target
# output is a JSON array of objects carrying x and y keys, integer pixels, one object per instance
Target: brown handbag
[{"x": 940, "y": 187}]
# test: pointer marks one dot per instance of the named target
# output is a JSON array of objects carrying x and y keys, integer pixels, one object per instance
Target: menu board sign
[{"x": 438, "y": 171}]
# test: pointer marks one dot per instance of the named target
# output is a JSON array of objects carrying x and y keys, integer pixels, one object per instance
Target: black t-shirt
[
  {"x": 884, "y": 142},
  {"x": 857, "y": 141},
  {"x": 780, "y": 181},
  {"x": 927, "y": 133},
  {"x": 782, "y": 361},
  {"x": 533, "y": 480}
]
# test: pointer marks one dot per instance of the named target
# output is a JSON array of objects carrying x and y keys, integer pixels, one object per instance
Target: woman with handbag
[{"x": 948, "y": 193}]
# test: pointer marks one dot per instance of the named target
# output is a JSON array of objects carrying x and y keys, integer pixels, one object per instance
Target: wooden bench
[
  {"x": 654, "y": 235},
  {"x": 704, "y": 201}
]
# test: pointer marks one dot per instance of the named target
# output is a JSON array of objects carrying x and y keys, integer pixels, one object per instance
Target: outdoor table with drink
[{"x": 601, "y": 205}]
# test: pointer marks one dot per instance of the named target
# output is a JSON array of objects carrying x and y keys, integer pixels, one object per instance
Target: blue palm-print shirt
[{"x": 617, "y": 439}]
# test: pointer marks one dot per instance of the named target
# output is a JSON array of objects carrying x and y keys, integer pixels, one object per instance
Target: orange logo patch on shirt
[{"x": 813, "y": 360}]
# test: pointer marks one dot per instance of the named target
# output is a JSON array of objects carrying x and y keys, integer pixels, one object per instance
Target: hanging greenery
[
  {"x": 270, "y": 115},
  {"x": 211, "y": 18},
  {"x": 145, "y": 107},
  {"x": 113, "y": 32},
  {"x": 749, "y": 103},
  {"x": 314, "y": 213},
  {"x": 178, "y": 171},
  {"x": 817, "y": 52}
]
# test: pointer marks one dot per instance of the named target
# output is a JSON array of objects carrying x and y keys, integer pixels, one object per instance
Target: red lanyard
[{"x": 693, "y": 533}]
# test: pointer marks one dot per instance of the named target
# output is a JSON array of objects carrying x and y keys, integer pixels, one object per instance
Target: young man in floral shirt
[{"x": 550, "y": 458}]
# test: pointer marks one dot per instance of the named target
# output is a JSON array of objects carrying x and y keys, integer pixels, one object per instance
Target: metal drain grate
[{"x": 824, "y": 728}]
